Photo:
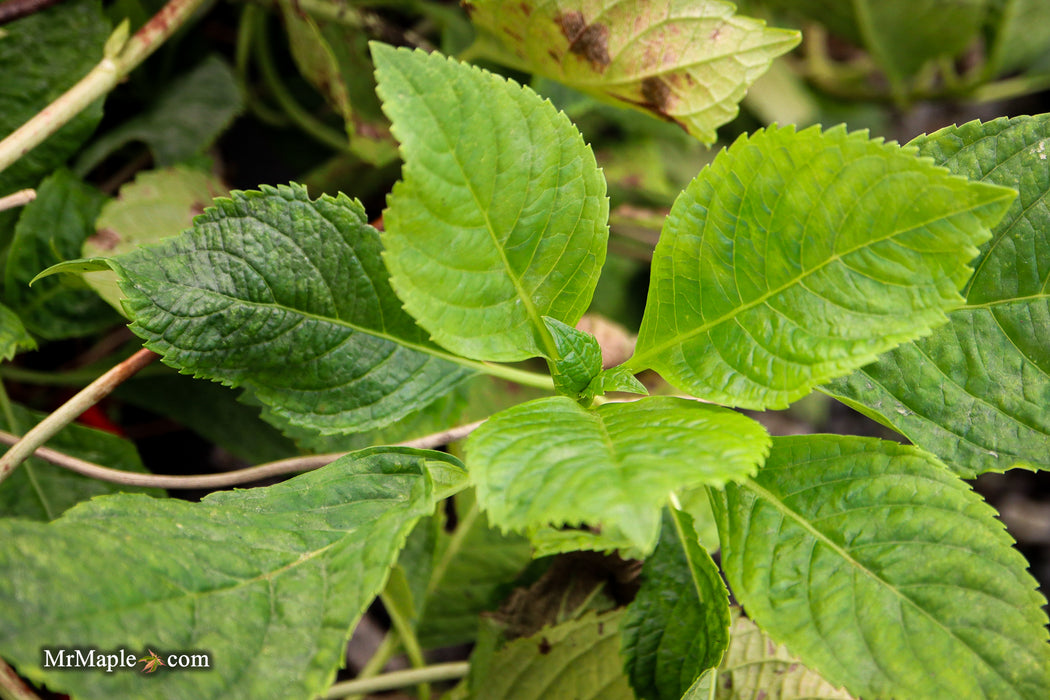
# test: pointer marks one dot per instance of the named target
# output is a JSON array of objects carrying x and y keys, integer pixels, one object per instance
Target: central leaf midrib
[
  {"x": 777, "y": 503},
  {"x": 637, "y": 361}
]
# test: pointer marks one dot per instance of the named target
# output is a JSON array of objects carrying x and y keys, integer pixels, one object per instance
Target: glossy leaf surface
[
  {"x": 288, "y": 297},
  {"x": 501, "y": 215},
  {"x": 678, "y": 625},
  {"x": 798, "y": 257},
  {"x": 874, "y": 564},
  {"x": 551, "y": 461},
  {"x": 976, "y": 392}
]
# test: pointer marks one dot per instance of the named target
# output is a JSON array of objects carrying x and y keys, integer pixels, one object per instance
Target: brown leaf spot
[
  {"x": 545, "y": 646},
  {"x": 657, "y": 94},
  {"x": 589, "y": 41},
  {"x": 526, "y": 9},
  {"x": 469, "y": 8},
  {"x": 514, "y": 34},
  {"x": 105, "y": 238},
  {"x": 601, "y": 628}
]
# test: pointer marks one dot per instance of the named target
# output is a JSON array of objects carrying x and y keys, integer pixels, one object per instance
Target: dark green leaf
[
  {"x": 678, "y": 625},
  {"x": 50, "y": 230},
  {"x": 1020, "y": 33},
  {"x": 579, "y": 358},
  {"x": 501, "y": 217},
  {"x": 689, "y": 63},
  {"x": 976, "y": 392},
  {"x": 552, "y": 462},
  {"x": 41, "y": 491},
  {"x": 288, "y": 297},
  {"x": 194, "y": 109},
  {"x": 875, "y": 564},
  {"x": 42, "y": 56},
  {"x": 13, "y": 336},
  {"x": 798, "y": 257},
  {"x": 268, "y": 581}
]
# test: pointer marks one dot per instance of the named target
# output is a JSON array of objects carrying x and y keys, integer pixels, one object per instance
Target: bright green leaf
[
  {"x": 13, "y": 335},
  {"x": 678, "y": 625},
  {"x": 42, "y": 491},
  {"x": 501, "y": 217},
  {"x": 158, "y": 204},
  {"x": 976, "y": 392},
  {"x": 288, "y": 297},
  {"x": 52, "y": 229},
  {"x": 875, "y": 564},
  {"x": 687, "y": 62},
  {"x": 269, "y": 581},
  {"x": 552, "y": 462},
  {"x": 193, "y": 110},
  {"x": 578, "y": 659},
  {"x": 579, "y": 358},
  {"x": 333, "y": 57},
  {"x": 42, "y": 56},
  {"x": 798, "y": 257},
  {"x": 615, "y": 379},
  {"x": 902, "y": 35}
]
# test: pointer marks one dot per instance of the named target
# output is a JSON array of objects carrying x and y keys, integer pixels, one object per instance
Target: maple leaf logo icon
[{"x": 152, "y": 662}]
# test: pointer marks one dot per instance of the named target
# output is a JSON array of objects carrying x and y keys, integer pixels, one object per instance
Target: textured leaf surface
[
  {"x": 333, "y": 57},
  {"x": 678, "y": 625},
  {"x": 875, "y": 564},
  {"x": 50, "y": 230},
  {"x": 550, "y": 461},
  {"x": 757, "y": 667},
  {"x": 579, "y": 361},
  {"x": 798, "y": 257},
  {"x": 901, "y": 35},
  {"x": 686, "y": 62},
  {"x": 269, "y": 581},
  {"x": 578, "y": 659},
  {"x": 42, "y": 491},
  {"x": 158, "y": 204},
  {"x": 501, "y": 217},
  {"x": 13, "y": 335},
  {"x": 288, "y": 297},
  {"x": 976, "y": 392},
  {"x": 43, "y": 55},
  {"x": 193, "y": 110}
]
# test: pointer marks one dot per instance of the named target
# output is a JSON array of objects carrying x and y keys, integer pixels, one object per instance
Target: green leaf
[
  {"x": 798, "y": 257},
  {"x": 43, "y": 55},
  {"x": 158, "y": 204},
  {"x": 472, "y": 568},
  {"x": 902, "y": 35},
  {"x": 614, "y": 379},
  {"x": 42, "y": 491},
  {"x": 13, "y": 335},
  {"x": 268, "y": 581},
  {"x": 578, "y": 659},
  {"x": 688, "y": 62},
  {"x": 552, "y": 462},
  {"x": 333, "y": 57},
  {"x": 757, "y": 667},
  {"x": 1020, "y": 33},
  {"x": 52, "y": 229},
  {"x": 194, "y": 109},
  {"x": 501, "y": 217},
  {"x": 288, "y": 297},
  {"x": 678, "y": 625},
  {"x": 874, "y": 564},
  {"x": 975, "y": 392},
  {"x": 579, "y": 359}
]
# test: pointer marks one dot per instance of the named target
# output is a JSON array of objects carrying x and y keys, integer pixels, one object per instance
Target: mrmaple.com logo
[{"x": 122, "y": 659}]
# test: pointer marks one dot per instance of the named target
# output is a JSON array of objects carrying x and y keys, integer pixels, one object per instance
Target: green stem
[
  {"x": 1012, "y": 87},
  {"x": 408, "y": 640},
  {"x": 78, "y": 377},
  {"x": 68, "y": 412},
  {"x": 7, "y": 411},
  {"x": 245, "y": 27},
  {"x": 105, "y": 76},
  {"x": 311, "y": 125},
  {"x": 399, "y": 679},
  {"x": 337, "y": 12}
]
